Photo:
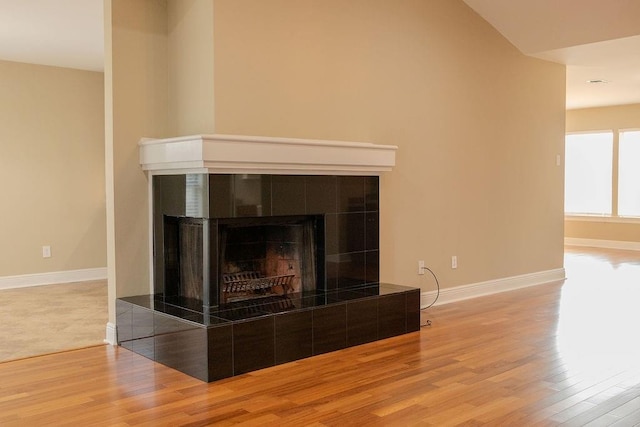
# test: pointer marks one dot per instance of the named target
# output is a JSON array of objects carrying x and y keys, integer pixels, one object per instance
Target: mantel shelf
[{"x": 263, "y": 155}]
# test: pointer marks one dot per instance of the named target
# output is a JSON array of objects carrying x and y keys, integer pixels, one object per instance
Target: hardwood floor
[{"x": 556, "y": 354}]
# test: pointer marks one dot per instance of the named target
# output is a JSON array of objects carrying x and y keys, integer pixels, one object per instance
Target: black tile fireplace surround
[
  {"x": 187, "y": 325},
  {"x": 348, "y": 205}
]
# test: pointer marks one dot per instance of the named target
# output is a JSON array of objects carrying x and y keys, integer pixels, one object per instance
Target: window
[
  {"x": 588, "y": 173},
  {"x": 629, "y": 174}
]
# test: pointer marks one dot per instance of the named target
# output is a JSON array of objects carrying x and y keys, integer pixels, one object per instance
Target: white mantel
[{"x": 263, "y": 155}]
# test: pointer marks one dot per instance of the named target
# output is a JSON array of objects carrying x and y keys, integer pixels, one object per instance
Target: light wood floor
[{"x": 556, "y": 354}]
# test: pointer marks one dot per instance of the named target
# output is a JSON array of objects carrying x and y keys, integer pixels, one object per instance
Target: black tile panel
[
  {"x": 169, "y": 195},
  {"x": 220, "y": 352},
  {"x": 214, "y": 268},
  {"x": 143, "y": 347},
  {"x": 129, "y": 346},
  {"x": 392, "y": 319},
  {"x": 351, "y": 232},
  {"x": 142, "y": 322},
  {"x": 141, "y": 332},
  {"x": 144, "y": 301},
  {"x": 392, "y": 289},
  {"x": 124, "y": 321},
  {"x": 362, "y": 321},
  {"x": 372, "y": 231},
  {"x": 252, "y": 195},
  {"x": 371, "y": 289},
  {"x": 372, "y": 260},
  {"x": 332, "y": 266},
  {"x": 220, "y": 196},
  {"x": 321, "y": 194},
  {"x": 321, "y": 273},
  {"x": 253, "y": 345},
  {"x": 288, "y": 195},
  {"x": 169, "y": 198},
  {"x": 181, "y": 345},
  {"x": 331, "y": 234},
  {"x": 372, "y": 193},
  {"x": 293, "y": 336},
  {"x": 343, "y": 295},
  {"x": 351, "y": 194},
  {"x": 168, "y": 266},
  {"x": 351, "y": 270},
  {"x": 413, "y": 310},
  {"x": 183, "y": 308},
  {"x": 329, "y": 328}
]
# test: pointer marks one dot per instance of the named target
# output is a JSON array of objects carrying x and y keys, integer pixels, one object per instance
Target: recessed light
[{"x": 597, "y": 81}]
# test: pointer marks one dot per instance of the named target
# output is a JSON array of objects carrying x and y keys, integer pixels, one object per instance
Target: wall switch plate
[
  {"x": 46, "y": 252},
  {"x": 421, "y": 267},
  {"x": 454, "y": 261}
]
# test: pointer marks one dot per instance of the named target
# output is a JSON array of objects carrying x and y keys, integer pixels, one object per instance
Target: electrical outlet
[
  {"x": 421, "y": 267},
  {"x": 46, "y": 251},
  {"x": 454, "y": 261}
]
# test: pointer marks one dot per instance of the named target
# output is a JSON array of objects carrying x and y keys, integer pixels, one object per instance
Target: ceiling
[
  {"x": 596, "y": 39},
  {"x": 62, "y": 33}
]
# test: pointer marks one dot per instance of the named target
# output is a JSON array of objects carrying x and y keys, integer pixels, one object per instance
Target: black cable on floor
[{"x": 428, "y": 322}]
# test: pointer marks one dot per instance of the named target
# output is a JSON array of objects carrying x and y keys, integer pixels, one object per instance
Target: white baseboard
[
  {"x": 38, "y": 279},
  {"x": 599, "y": 243},
  {"x": 111, "y": 336},
  {"x": 490, "y": 287}
]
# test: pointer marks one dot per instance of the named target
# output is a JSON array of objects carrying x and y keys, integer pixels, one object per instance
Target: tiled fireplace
[{"x": 260, "y": 260}]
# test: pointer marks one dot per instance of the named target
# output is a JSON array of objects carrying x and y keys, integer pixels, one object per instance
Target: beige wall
[
  {"x": 51, "y": 169},
  {"x": 136, "y": 106},
  {"x": 190, "y": 44},
  {"x": 602, "y": 230},
  {"x": 478, "y": 124},
  {"x": 604, "y": 118}
]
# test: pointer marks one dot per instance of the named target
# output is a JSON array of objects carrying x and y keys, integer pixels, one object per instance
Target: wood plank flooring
[{"x": 555, "y": 354}]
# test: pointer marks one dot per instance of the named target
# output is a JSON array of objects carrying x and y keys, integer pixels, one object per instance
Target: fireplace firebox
[{"x": 258, "y": 257}]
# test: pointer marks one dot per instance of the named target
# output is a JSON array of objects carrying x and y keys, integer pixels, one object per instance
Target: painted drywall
[
  {"x": 136, "y": 106},
  {"x": 478, "y": 124},
  {"x": 616, "y": 118},
  {"x": 190, "y": 50},
  {"x": 598, "y": 229},
  {"x": 51, "y": 169}
]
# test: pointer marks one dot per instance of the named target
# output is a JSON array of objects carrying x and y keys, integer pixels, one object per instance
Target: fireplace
[
  {"x": 265, "y": 251},
  {"x": 221, "y": 238},
  {"x": 258, "y": 257}
]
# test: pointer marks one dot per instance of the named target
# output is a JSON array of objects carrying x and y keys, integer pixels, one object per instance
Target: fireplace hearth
[{"x": 251, "y": 270}]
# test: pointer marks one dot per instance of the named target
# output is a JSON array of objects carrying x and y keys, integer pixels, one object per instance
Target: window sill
[{"x": 601, "y": 218}]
